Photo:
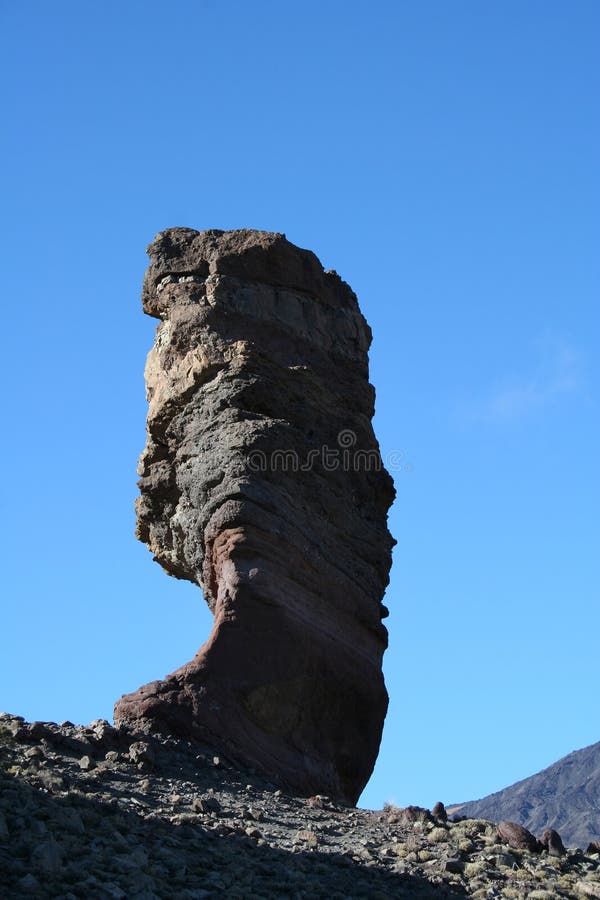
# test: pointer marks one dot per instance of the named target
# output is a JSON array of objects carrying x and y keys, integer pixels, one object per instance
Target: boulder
[
  {"x": 261, "y": 481},
  {"x": 439, "y": 812},
  {"x": 518, "y": 837},
  {"x": 552, "y": 842}
]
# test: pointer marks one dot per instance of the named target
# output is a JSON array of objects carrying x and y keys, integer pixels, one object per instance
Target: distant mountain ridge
[{"x": 565, "y": 796}]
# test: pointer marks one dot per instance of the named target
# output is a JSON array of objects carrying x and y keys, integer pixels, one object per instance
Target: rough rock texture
[
  {"x": 552, "y": 841},
  {"x": 518, "y": 837},
  {"x": 565, "y": 796},
  {"x": 161, "y": 817},
  {"x": 261, "y": 481},
  {"x": 439, "y": 812}
]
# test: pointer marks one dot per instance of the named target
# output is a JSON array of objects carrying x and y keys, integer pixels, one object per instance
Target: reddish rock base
[{"x": 260, "y": 690}]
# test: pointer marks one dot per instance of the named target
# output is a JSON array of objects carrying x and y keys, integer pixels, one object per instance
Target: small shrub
[
  {"x": 439, "y": 835},
  {"x": 474, "y": 868},
  {"x": 466, "y": 846}
]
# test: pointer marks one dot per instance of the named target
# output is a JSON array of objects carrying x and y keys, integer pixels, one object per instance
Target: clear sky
[{"x": 442, "y": 156}]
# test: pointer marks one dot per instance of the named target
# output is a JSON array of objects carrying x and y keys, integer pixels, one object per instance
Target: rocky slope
[
  {"x": 565, "y": 796},
  {"x": 261, "y": 481},
  {"x": 96, "y": 812}
]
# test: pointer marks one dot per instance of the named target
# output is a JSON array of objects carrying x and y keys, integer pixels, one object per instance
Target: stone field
[{"x": 99, "y": 812}]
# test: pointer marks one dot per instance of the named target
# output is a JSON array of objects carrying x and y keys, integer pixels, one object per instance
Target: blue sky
[{"x": 442, "y": 156}]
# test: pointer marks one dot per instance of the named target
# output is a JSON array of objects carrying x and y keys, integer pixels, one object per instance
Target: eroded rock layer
[{"x": 261, "y": 482}]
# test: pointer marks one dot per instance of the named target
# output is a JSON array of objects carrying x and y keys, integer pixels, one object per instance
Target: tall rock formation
[{"x": 261, "y": 482}]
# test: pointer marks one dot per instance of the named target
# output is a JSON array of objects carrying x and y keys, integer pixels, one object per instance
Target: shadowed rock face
[{"x": 261, "y": 482}]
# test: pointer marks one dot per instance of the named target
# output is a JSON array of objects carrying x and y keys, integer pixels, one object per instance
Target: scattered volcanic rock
[
  {"x": 565, "y": 796},
  {"x": 261, "y": 481},
  {"x": 191, "y": 829}
]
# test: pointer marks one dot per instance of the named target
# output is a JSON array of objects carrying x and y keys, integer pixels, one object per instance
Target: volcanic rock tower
[{"x": 261, "y": 482}]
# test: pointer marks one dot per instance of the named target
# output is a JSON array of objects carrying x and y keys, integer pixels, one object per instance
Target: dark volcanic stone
[
  {"x": 416, "y": 814},
  {"x": 439, "y": 812},
  {"x": 261, "y": 482},
  {"x": 518, "y": 837},
  {"x": 454, "y": 865},
  {"x": 552, "y": 841},
  {"x": 408, "y": 815}
]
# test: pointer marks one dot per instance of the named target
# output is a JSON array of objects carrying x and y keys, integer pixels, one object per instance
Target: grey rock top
[{"x": 249, "y": 255}]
